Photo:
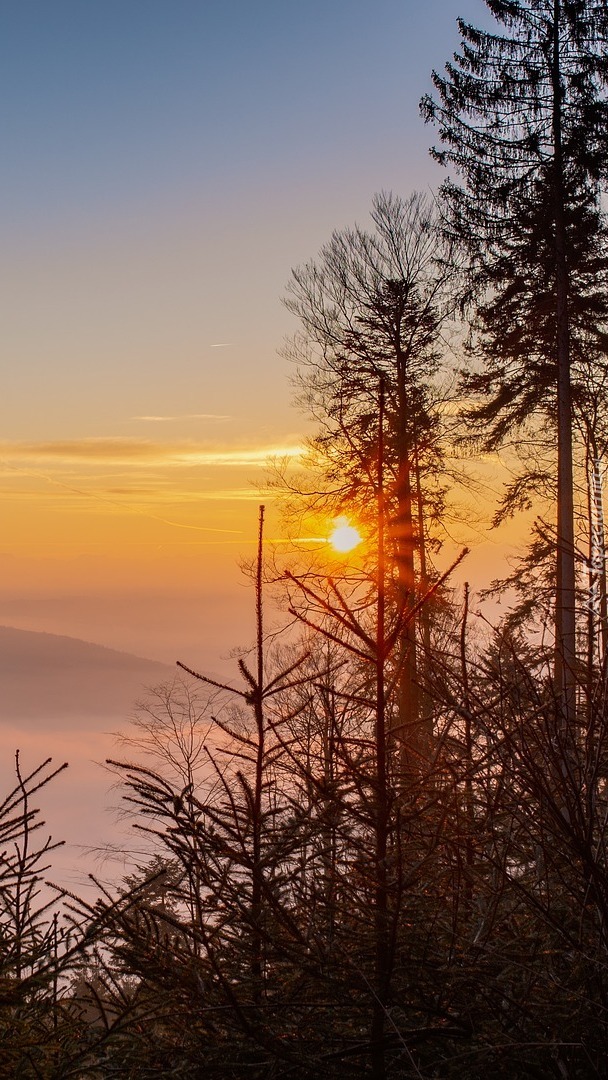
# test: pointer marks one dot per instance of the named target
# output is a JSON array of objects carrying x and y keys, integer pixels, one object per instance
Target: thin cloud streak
[
  {"x": 39, "y": 496},
  {"x": 143, "y": 452},
  {"x": 183, "y": 416}
]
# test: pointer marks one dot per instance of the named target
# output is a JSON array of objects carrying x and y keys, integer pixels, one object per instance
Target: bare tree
[{"x": 371, "y": 309}]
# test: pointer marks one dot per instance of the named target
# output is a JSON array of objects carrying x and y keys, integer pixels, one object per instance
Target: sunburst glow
[{"x": 344, "y": 537}]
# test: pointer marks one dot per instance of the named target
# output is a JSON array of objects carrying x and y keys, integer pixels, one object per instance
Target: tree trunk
[
  {"x": 257, "y": 883},
  {"x": 565, "y": 604},
  {"x": 381, "y": 823},
  {"x": 407, "y": 731}
]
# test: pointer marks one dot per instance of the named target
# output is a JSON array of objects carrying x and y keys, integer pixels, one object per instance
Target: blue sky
[
  {"x": 165, "y": 164},
  {"x": 120, "y": 106}
]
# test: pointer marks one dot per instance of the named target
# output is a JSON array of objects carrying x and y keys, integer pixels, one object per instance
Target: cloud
[
  {"x": 77, "y": 450},
  {"x": 235, "y": 494},
  {"x": 244, "y": 457},
  {"x": 142, "y": 452},
  {"x": 184, "y": 416}
]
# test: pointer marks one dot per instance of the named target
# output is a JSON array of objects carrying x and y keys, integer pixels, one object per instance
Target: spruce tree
[{"x": 523, "y": 121}]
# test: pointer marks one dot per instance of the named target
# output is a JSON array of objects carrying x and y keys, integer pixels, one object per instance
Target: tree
[
  {"x": 539, "y": 916},
  {"x": 295, "y": 877},
  {"x": 523, "y": 120},
  {"x": 170, "y": 727},
  {"x": 371, "y": 310},
  {"x": 41, "y": 943}
]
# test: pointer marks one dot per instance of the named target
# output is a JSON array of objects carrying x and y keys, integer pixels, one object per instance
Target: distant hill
[{"x": 46, "y": 677}]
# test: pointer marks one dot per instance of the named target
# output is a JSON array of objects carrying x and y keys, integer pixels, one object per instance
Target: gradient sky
[{"x": 164, "y": 165}]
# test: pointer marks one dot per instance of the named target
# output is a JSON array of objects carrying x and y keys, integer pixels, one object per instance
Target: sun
[{"x": 344, "y": 537}]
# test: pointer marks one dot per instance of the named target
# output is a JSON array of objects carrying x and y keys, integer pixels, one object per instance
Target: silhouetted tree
[
  {"x": 523, "y": 119},
  {"x": 371, "y": 310}
]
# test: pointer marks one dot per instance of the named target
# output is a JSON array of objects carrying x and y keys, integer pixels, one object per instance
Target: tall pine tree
[{"x": 523, "y": 121}]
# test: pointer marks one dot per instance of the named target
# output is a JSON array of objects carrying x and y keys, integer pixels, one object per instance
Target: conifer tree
[{"x": 523, "y": 121}]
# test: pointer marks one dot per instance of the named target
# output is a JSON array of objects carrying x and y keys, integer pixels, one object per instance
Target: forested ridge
[{"x": 380, "y": 850}]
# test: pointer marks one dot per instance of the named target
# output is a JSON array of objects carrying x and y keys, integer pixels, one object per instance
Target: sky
[{"x": 164, "y": 165}]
